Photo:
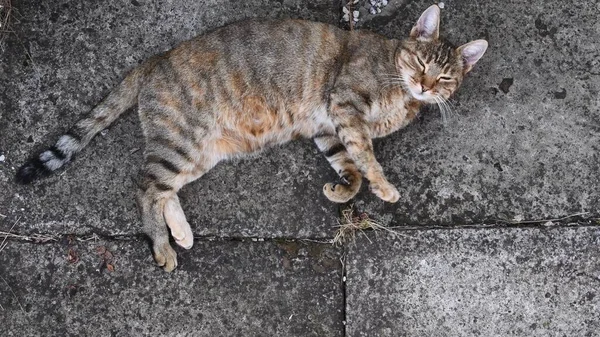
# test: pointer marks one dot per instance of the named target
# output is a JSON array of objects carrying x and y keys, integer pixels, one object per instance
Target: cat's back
[{"x": 268, "y": 46}]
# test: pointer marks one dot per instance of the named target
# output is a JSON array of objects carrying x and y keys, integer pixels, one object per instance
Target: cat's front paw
[
  {"x": 385, "y": 191},
  {"x": 337, "y": 192},
  {"x": 343, "y": 192},
  {"x": 165, "y": 256}
]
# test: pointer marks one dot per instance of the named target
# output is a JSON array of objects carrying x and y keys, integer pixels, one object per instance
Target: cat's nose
[{"x": 424, "y": 88}]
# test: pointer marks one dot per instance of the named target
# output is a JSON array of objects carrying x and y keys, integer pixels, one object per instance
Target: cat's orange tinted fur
[{"x": 250, "y": 85}]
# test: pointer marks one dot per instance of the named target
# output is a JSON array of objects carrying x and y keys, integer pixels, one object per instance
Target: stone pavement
[{"x": 473, "y": 253}]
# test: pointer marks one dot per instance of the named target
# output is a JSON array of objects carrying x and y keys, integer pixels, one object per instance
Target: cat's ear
[
  {"x": 428, "y": 26},
  {"x": 471, "y": 53}
]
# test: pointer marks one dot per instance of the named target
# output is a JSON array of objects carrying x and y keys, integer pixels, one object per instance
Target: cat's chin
[{"x": 421, "y": 97}]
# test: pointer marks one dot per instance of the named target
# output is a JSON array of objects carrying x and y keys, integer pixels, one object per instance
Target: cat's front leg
[
  {"x": 339, "y": 159},
  {"x": 354, "y": 134}
]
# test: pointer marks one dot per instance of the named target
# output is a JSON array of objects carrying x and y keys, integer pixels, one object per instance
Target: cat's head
[{"x": 430, "y": 67}]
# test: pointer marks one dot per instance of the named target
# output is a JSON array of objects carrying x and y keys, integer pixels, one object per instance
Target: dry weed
[{"x": 352, "y": 223}]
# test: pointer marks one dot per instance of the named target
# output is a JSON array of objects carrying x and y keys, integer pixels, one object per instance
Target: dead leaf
[
  {"x": 72, "y": 256},
  {"x": 110, "y": 267},
  {"x": 100, "y": 250},
  {"x": 108, "y": 255}
]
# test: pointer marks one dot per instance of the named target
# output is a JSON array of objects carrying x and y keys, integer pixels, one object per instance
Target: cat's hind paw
[
  {"x": 180, "y": 228},
  {"x": 165, "y": 256}
]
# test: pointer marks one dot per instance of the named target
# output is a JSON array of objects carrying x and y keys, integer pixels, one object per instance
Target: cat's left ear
[
  {"x": 471, "y": 53},
  {"x": 428, "y": 26}
]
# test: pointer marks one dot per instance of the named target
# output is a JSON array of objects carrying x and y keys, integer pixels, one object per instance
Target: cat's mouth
[
  {"x": 421, "y": 96},
  {"x": 416, "y": 92}
]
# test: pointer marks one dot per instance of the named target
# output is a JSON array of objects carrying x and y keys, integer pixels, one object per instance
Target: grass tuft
[
  {"x": 351, "y": 223},
  {"x": 6, "y": 20}
]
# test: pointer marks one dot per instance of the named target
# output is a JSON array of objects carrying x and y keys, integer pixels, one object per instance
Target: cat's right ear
[
  {"x": 428, "y": 26},
  {"x": 471, "y": 53}
]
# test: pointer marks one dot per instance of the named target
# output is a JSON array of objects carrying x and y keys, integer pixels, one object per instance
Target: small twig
[
  {"x": 351, "y": 14},
  {"x": 544, "y": 221},
  {"x": 5, "y": 21},
  {"x": 4, "y": 243},
  {"x": 2, "y": 215},
  {"x": 343, "y": 262},
  {"x": 94, "y": 237},
  {"x": 328, "y": 241},
  {"x": 14, "y": 295},
  {"x": 35, "y": 237}
]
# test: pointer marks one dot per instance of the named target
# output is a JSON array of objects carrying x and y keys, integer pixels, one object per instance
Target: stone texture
[
  {"x": 525, "y": 142},
  {"x": 496, "y": 282},
  {"x": 221, "y": 288},
  {"x": 70, "y": 54},
  {"x": 523, "y": 146}
]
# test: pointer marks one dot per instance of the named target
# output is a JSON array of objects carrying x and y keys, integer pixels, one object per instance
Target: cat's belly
[{"x": 255, "y": 132}]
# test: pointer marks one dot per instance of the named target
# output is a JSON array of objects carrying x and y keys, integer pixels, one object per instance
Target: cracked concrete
[
  {"x": 524, "y": 146},
  {"x": 65, "y": 289},
  {"x": 492, "y": 282}
]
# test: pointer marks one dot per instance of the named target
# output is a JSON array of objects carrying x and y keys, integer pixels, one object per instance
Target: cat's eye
[
  {"x": 444, "y": 78},
  {"x": 421, "y": 63}
]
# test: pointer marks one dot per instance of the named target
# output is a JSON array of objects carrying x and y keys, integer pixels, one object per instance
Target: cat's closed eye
[{"x": 421, "y": 63}]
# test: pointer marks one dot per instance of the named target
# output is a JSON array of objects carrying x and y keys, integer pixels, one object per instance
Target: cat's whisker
[
  {"x": 441, "y": 108},
  {"x": 449, "y": 107}
]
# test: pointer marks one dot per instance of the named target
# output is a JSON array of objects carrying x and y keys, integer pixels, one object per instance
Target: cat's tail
[{"x": 63, "y": 151}]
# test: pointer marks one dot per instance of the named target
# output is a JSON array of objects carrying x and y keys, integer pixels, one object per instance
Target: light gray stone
[
  {"x": 494, "y": 282},
  {"x": 528, "y": 153}
]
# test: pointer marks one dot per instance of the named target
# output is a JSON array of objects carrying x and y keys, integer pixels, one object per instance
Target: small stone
[
  {"x": 385, "y": 2},
  {"x": 373, "y": 10},
  {"x": 356, "y": 14},
  {"x": 441, "y": 5},
  {"x": 2, "y": 158},
  {"x": 506, "y": 84}
]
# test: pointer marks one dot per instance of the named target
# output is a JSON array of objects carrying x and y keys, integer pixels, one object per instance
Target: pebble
[
  {"x": 2, "y": 158},
  {"x": 375, "y": 8}
]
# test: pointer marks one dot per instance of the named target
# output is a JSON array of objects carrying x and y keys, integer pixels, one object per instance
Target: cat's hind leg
[
  {"x": 160, "y": 209},
  {"x": 152, "y": 197},
  {"x": 177, "y": 223},
  {"x": 350, "y": 177}
]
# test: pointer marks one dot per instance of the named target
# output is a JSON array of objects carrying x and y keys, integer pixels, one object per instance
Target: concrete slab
[
  {"x": 70, "y": 54},
  {"x": 525, "y": 142},
  {"x": 494, "y": 282},
  {"x": 222, "y": 288}
]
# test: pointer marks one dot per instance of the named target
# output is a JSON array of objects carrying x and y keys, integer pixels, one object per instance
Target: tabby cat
[{"x": 251, "y": 85}]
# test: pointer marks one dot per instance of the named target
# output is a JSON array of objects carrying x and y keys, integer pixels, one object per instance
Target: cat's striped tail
[{"x": 118, "y": 101}]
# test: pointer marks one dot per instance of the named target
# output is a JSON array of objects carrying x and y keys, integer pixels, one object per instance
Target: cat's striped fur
[{"x": 249, "y": 85}]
